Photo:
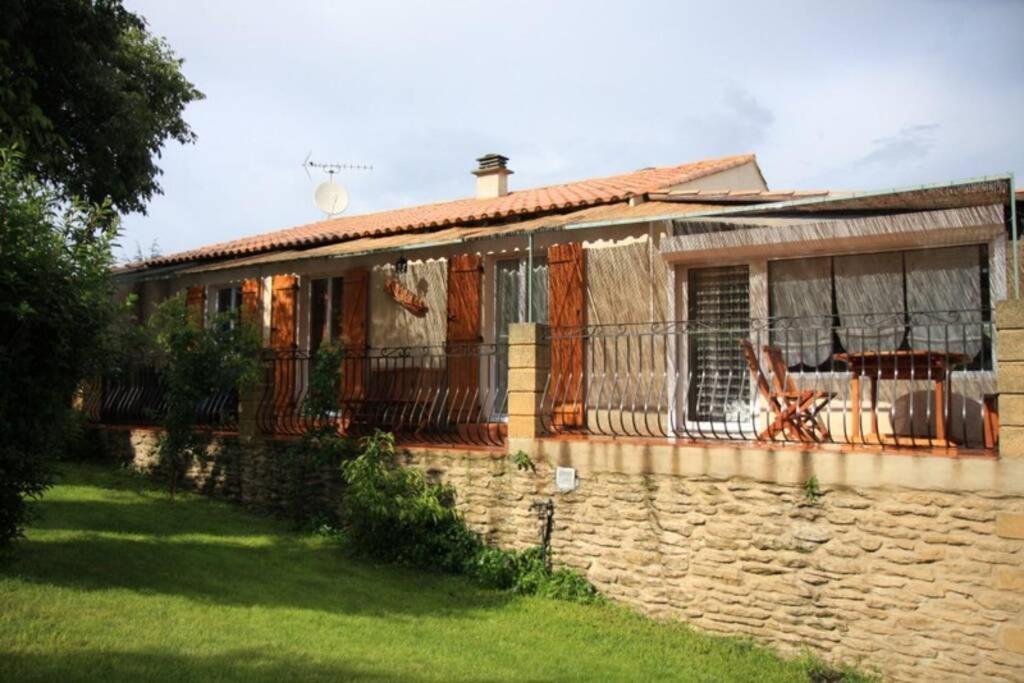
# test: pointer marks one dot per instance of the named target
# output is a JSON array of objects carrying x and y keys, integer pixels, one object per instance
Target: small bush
[
  {"x": 819, "y": 672},
  {"x": 494, "y": 568},
  {"x": 395, "y": 514},
  {"x": 526, "y": 573}
]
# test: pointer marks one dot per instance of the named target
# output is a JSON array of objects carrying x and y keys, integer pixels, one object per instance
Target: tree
[
  {"x": 56, "y": 300},
  {"x": 197, "y": 361},
  {"x": 90, "y": 97}
]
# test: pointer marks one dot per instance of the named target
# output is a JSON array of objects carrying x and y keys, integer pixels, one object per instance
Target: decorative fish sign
[{"x": 404, "y": 298}]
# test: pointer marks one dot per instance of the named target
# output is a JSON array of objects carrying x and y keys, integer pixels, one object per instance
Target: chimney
[{"x": 492, "y": 176}]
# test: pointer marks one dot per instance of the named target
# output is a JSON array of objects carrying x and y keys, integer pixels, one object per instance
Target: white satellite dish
[{"x": 331, "y": 198}]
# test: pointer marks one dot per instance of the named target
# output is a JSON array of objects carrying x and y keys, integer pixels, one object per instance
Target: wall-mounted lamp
[{"x": 401, "y": 265}]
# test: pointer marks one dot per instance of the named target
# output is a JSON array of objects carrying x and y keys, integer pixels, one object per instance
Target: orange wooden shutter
[
  {"x": 354, "y": 327},
  {"x": 283, "y": 296},
  {"x": 465, "y": 279},
  {"x": 567, "y": 313},
  {"x": 251, "y": 302},
  {"x": 282, "y": 311},
  {"x": 195, "y": 304}
]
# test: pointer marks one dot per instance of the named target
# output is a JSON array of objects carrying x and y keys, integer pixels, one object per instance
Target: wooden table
[{"x": 909, "y": 365}]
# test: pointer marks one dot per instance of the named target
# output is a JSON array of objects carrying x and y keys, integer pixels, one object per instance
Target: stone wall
[
  {"x": 919, "y": 576},
  {"x": 267, "y": 477},
  {"x": 918, "y": 584}
]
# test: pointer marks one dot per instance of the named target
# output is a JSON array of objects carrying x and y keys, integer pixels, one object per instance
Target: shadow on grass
[
  {"x": 242, "y": 560},
  {"x": 254, "y": 665},
  {"x": 296, "y": 576},
  {"x": 157, "y": 518}
]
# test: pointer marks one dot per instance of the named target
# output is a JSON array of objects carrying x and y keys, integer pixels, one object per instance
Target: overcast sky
[{"x": 852, "y": 95}]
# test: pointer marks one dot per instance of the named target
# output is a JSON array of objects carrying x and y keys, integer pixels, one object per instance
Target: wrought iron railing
[
  {"x": 917, "y": 380},
  {"x": 434, "y": 394},
  {"x": 137, "y": 395}
]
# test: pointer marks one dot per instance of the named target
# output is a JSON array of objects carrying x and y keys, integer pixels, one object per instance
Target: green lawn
[{"x": 117, "y": 582}]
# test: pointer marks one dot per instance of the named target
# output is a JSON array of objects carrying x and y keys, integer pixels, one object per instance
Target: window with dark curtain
[
  {"x": 335, "y": 324},
  {"x": 317, "y": 314},
  {"x": 229, "y": 300}
]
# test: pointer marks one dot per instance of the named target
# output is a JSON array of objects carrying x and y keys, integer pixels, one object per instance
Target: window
[
  {"x": 719, "y": 313},
  {"x": 229, "y": 300},
  {"x": 928, "y": 299},
  {"x": 512, "y": 306},
  {"x": 511, "y": 294},
  {"x": 324, "y": 311}
]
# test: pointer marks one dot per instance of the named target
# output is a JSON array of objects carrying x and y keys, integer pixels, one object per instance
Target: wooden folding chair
[{"x": 794, "y": 412}]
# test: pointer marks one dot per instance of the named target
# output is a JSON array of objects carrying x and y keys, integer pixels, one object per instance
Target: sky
[{"x": 828, "y": 95}]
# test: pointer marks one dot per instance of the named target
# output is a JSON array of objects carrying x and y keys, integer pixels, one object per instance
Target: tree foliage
[
  {"x": 321, "y": 446},
  {"x": 55, "y": 305},
  {"x": 90, "y": 97},
  {"x": 197, "y": 361}
]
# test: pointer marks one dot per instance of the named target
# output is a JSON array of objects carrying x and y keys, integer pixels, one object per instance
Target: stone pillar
[
  {"x": 529, "y": 362},
  {"x": 1010, "y": 525},
  {"x": 1010, "y": 358}
]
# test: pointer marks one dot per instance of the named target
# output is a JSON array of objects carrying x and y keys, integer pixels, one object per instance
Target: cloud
[
  {"x": 911, "y": 143},
  {"x": 740, "y": 123},
  {"x": 747, "y": 114}
]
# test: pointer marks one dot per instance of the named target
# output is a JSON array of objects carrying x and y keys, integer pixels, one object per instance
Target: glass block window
[{"x": 719, "y": 317}]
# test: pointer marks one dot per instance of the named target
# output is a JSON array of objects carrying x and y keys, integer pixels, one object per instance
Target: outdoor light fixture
[{"x": 401, "y": 265}]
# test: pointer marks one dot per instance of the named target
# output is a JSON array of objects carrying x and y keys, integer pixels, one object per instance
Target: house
[
  {"x": 773, "y": 414},
  {"x": 687, "y": 303}
]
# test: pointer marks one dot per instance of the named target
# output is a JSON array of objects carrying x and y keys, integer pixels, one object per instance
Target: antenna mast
[{"x": 330, "y": 197}]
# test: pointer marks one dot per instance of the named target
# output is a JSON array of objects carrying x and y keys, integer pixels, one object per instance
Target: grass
[{"x": 117, "y": 582}]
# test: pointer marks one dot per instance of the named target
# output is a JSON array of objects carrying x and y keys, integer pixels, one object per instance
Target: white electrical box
[{"x": 565, "y": 478}]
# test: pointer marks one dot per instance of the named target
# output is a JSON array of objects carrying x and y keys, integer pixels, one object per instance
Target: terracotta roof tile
[{"x": 592, "y": 192}]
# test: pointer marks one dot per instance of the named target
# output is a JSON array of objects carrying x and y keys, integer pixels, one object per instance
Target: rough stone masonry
[{"x": 919, "y": 585}]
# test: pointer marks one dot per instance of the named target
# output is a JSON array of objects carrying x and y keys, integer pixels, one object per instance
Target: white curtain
[
  {"x": 869, "y": 299},
  {"x": 540, "y": 290},
  {"x": 800, "y": 293},
  {"x": 944, "y": 299}
]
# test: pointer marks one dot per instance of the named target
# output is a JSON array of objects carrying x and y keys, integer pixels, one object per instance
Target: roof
[
  {"x": 458, "y": 234},
  {"x": 739, "y": 196},
  {"x": 523, "y": 203},
  {"x": 956, "y": 194}
]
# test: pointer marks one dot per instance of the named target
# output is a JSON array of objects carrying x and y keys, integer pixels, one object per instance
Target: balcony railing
[
  {"x": 917, "y": 380},
  {"x": 443, "y": 395},
  {"x": 137, "y": 395}
]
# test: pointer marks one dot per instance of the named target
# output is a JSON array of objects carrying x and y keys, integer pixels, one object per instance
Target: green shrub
[
  {"x": 566, "y": 584},
  {"x": 393, "y": 513},
  {"x": 494, "y": 568},
  {"x": 526, "y": 573}
]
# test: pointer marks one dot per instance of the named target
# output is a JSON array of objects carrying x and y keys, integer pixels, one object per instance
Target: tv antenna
[{"x": 329, "y": 196}]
